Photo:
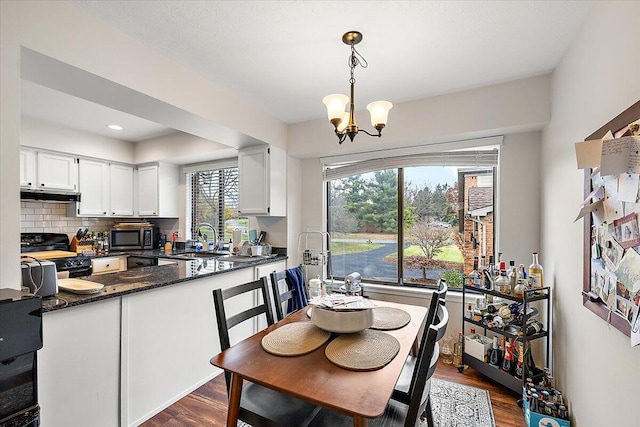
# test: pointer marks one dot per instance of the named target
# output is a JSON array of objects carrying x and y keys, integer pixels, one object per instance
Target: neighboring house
[{"x": 476, "y": 223}]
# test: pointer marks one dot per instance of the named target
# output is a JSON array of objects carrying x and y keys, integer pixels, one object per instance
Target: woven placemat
[
  {"x": 294, "y": 339},
  {"x": 388, "y": 318},
  {"x": 363, "y": 351}
]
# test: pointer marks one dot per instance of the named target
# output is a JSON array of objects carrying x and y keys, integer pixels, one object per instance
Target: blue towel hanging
[{"x": 295, "y": 281}]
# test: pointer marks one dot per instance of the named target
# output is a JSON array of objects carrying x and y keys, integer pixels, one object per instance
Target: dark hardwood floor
[{"x": 207, "y": 406}]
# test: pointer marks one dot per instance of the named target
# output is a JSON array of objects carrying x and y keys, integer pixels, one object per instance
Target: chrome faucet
[{"x": 203, "y": 237}]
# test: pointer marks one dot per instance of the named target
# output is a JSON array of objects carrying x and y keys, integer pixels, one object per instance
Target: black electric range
[{"x": 77, "y": 266}]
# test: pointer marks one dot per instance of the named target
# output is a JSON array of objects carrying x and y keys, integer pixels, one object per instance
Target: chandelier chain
[{"x": 354, "y": 60}]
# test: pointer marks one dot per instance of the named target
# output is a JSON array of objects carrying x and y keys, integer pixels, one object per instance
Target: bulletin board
[{"x": 611, "y": 282}]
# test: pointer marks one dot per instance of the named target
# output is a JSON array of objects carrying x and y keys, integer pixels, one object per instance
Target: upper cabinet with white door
[
  {"x": 93, "y": 177},
  {"x": 57, "y": 171},
  {"x": 48, "y": 171},
  {"x": 262, "y": 181},
  {"x": 28, "y": 169},
  {"x": 121, "y": 189},
  {"x": 158, "y": 190}
]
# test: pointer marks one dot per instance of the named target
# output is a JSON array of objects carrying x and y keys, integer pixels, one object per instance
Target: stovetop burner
[{"x": 77, "y": 266}]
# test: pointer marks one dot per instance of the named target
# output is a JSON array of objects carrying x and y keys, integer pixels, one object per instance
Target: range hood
[{"x": 50, "y": 196}]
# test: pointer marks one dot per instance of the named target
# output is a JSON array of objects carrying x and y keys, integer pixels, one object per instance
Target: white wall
[
  {"x": 501, "y": 109},
  {"x": 39, "y": 134},
  {"x": 598, "y": 78}
]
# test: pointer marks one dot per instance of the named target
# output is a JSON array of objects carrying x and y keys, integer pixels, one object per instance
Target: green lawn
[
  {"x": 341, "y": 248},
  {"x": 448, "y": 253}
]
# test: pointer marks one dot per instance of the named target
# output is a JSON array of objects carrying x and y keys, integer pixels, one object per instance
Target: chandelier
[{"x": 343, "y": 121}]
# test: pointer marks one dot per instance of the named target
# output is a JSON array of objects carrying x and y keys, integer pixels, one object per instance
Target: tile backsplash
[{"x": 45, "y": 217}]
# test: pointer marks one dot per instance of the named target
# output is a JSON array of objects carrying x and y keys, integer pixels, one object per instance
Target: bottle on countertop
[{"x": 536, "y": 277}]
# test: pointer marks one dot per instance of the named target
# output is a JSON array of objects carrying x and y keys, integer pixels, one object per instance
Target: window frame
[{"x": 407, "y": 156}]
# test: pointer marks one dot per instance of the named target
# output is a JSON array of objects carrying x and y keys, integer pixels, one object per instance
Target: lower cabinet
[
  {"x": 79, "y": 366},
  {"x": 120, "y": 361}
]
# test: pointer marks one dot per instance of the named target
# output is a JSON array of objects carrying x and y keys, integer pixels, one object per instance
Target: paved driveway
[{"x": 370, "y": 264}]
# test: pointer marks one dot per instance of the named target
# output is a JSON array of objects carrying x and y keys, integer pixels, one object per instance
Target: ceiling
[{"x": 285, "y": 56}]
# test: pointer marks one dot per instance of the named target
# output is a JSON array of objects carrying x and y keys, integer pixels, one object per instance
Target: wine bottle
[
  {"x": 508, "y": 359},
  {"x": 457, "y": 351},
  {"x": 489, "y": 274},
  {"x": 494, "y": 355},
  {"x": 536, "y": 277},
  {"x": 529, "y": 364},
  {"x": 501, "y": 350},
  {"x": 519, "y": 369}
]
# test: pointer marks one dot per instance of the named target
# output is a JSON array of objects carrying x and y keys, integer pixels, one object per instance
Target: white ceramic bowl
[{"x": 342, "y": 321}]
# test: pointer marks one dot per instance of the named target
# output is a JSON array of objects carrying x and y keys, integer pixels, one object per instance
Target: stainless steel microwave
[{"x": 134, "y": 238}]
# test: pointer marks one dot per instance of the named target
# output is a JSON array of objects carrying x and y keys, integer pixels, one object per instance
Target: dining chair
[
  {"x": 259, "y": 406},
  {"x": 398, "y": 413},
  {"x": 280, "y": 297},
  {"x": 294, "y": 295}
]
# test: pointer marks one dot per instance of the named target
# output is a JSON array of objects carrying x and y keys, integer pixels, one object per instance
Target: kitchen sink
[
  {"x": 244, "y": 258},
  {"x": 192, "y": 255}
]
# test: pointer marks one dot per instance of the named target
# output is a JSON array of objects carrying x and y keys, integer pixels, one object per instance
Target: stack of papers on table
[{"x": 342, "y": 302}]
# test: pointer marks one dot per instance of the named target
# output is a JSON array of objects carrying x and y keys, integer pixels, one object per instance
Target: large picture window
[
  {"x": 413, "y": 224},
  {"x": 213, "y": 199}
]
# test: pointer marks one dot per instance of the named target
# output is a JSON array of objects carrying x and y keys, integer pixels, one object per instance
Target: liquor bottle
[
  {"x": 468, "y": 314},
  {"x": 502, "y": 283},
  {"x": 508, "y": 359},
  {"x": 489, "y": 274},
  {"x": 457, "y": 351},
  {"x": 474, "y": 277},
  {"x": 495, "y": 353},
  {"x": 512, "y": 274},
  {"x": 535, "y": 273}
]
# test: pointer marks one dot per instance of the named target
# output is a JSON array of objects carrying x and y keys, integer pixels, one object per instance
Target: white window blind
[{"x": 486, "y": 158}]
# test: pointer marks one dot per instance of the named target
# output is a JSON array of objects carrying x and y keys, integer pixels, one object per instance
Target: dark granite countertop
[{"x": 142, "y": 279}]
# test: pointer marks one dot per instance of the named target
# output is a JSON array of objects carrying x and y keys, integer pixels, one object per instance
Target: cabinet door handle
[{"x": 42, "y": 185}]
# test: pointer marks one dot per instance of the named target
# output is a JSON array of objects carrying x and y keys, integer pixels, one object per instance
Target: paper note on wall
[
  {"x": 588, "y": 153},
  {"x": 620, "y": 155},
  {"x": 628, "y": 187}
]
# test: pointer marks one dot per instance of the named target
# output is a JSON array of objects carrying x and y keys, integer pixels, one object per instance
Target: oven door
[
  {"x": 18, "y": 390},
  {"x": 122, "y": 238}
]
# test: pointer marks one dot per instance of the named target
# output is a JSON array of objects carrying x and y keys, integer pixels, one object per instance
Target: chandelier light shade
[{"x": 341, "y": 108}]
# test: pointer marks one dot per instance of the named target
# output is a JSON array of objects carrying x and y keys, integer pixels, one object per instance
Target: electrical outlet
[{"x": 179, "y": 232}]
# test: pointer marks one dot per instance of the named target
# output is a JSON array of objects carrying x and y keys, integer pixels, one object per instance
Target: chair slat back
[
  {"x": 280, "y": 297},
  {"x": 226, "y": 323},
  {"x": 426, "y": 364}
]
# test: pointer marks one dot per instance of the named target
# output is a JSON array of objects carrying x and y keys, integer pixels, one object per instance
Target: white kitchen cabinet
[
  {"x": 28, "y": 169},
  {"x": 110, "y": 264},
  {"x": 121, "y": 188},
  {"x": 262, "y": 183},
  {"x": 79, "y": 366},
  {"x": 93, "y": 181},
  {"x": 57, "y": 171},
  {"x": 158, "y": 190}
]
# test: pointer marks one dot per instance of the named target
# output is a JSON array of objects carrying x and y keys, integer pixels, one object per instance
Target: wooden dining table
[{"x": 315, "y": 379}]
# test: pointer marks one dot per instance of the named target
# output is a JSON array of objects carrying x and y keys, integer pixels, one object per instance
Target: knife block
[{"x": 81, "y": 246}]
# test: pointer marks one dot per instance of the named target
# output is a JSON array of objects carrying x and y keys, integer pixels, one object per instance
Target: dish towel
[{"x": 295, "y": 281}]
